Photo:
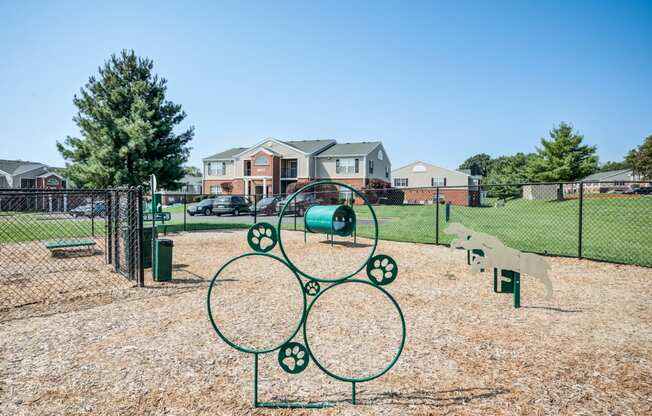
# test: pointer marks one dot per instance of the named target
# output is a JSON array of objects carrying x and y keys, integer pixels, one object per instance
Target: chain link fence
[
  {"x": 60, "y": 245},
  {"x": 606, "y": 221}
]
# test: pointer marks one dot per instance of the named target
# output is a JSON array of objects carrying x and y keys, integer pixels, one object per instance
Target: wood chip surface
[{"x": 152, "y": 350}]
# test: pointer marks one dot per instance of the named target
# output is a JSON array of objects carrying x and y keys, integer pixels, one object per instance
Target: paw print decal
[
  {"x": 311, "y": 288},
  {"x": 262, "y": 237},
  {"x": 293, "y": 357},
  {"x": 382, "y": 270}
]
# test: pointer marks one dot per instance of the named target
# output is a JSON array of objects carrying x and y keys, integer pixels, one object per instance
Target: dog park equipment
[
  {"x": 331, "y": 220},
  {"x": 294, "y": 356},
  {"x": 59, "y": 247},
  {"x": 509, "y": 282},
  {"x": 506, "y": 262}
]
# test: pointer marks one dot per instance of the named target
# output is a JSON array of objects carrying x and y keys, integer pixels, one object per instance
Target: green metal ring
[
  {"x": 349, "y": 379},
  {"x": 233, "y": 344},
  {"x": 266, "y": 227},
  {"x": 280, "y": 232}
]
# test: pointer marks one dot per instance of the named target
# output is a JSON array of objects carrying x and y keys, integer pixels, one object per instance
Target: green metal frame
[
  {"x": 293, "y": 357},
  {"x": 513, "y": 285},
  {"x": 280, "y": 231}
]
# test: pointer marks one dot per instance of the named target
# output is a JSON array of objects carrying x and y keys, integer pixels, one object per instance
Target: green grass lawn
[
  {"x": 29, "y": 227},
  {"x": 614, "y": 229}
]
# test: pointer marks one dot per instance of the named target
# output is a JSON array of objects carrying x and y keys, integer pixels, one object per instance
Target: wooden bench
[{"x": 61, "y": 246}]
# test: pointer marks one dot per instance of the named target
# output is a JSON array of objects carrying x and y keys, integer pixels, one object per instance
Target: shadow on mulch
[
  {"x": 346, "y": 244},
  {"x": 416, "y": 397},
  {"x": 550, "y": 308}
]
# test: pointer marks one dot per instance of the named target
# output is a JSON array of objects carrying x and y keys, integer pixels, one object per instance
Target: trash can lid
[{"x": 167, "y": 243}]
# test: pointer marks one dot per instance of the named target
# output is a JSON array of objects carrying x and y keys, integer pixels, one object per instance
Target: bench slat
[{"x": 69, "y": 243}]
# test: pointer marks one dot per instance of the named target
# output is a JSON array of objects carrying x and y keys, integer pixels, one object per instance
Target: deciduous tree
[{"x": 641, "y": 159}]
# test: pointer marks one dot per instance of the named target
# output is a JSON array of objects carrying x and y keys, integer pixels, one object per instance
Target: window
[
  {"x": 371, "y": 166},
  {"x": 344, "y": 166},
  {"x": 27, "y": 183},
  {"x": 400, "y": 182},
  {"x": 215, "y": 189},
  {"x": 419, "y": 168},
  {"x": 387, "y": 171},
  {"x": 261, "y": 160},
  {"x": 247, "y": 168},
  {"x": 217, "y": 168},
  {"x": 288, "y": 168},
  {"x": 380, "y": 155},
  {"x": 437, "y": 181}
]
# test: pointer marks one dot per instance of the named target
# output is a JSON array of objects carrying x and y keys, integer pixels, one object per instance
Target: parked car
[
  {"x": 226, "y": 204},
  {"x": 639, "y": 191},
  {"x": 98, "y": 209},
  {"x": 266, "y": 206},
  {"x": 300, "y": 204}
]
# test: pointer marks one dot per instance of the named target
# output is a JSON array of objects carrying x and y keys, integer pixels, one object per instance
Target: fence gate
[
  {"x": 124, "y": 232},
  {"x": 63, "y": 245}
]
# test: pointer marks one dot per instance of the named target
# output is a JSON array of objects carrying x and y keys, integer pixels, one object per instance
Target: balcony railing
[{"x": 288, "y": 172}]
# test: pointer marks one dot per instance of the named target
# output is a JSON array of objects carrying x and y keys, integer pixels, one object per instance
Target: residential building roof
[
  {"x": 190, "y": 179},
  {"x": 16, "y": 167},
  {"x": 227, "y": 154},
  {"x": 421, "y": 162},
  {"x": 308, "y": 146},
  {"x": 350, "y": 149},
  {"x": 622, "y": 174}
]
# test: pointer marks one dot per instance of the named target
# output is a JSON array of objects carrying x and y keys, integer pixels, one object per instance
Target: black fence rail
[
  {"x": 607, "y": 221},
  {"x": 65, "y": 244}
]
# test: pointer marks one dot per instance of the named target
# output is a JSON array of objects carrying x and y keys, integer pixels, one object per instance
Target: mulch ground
[{"x": 153, "y": 351}]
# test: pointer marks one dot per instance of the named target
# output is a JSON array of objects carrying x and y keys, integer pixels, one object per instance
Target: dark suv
[
  {"x": 301, "y": 203},
  {"x": 226, "y": 204}
]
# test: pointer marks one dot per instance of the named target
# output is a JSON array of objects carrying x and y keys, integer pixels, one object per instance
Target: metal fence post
[
  {"x": 108, "y": 230},
  {"x": 255, "y": 210},
  {"x": 141, "y": 238},
  {"x": 437, "y": 217},
  {"x": 185, "y": 207},
  {"x": 93, "y": 215},
  {"x": 580, "y": 222}
]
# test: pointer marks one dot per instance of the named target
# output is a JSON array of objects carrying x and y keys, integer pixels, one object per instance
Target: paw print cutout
[
  {"x": 293, "y": 357},
  {"x": 262, "y": 237},
  {"x": 382, "y": 270},
  {"x": 311, "y": 288}
]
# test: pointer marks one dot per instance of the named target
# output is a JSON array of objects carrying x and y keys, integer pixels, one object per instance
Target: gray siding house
[
  {"x": 21, "y": 174},
  {"x": 269, "y": 166}
]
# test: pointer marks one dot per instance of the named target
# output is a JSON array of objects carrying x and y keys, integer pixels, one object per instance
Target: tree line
[{"x": 563, "y": 157}]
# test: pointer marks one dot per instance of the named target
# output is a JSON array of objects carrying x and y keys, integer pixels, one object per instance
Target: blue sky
[{"x": 434, "y": 81}]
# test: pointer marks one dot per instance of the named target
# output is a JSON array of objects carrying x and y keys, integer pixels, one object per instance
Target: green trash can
[{"x": 163, "y": 262}]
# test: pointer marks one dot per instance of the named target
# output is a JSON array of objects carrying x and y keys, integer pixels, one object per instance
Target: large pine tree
[
  {"x": 126, "y": 127},
  {"x": 563, "y": 157}
]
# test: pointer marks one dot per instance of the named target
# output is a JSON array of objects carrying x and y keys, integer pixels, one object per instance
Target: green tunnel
[{"x": 330, "y": 219}]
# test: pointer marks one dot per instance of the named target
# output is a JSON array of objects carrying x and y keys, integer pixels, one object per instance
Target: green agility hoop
[
  {"x": 224, "y": 337},
  {"x": 280, "y": 232},
  {"x": 294, "y": 357},
  {"x": 353, "y": 379}
]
